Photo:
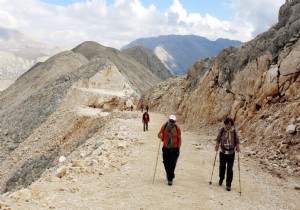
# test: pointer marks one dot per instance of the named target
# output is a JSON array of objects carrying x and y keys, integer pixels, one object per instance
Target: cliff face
[{"x": 257, "y": 84}]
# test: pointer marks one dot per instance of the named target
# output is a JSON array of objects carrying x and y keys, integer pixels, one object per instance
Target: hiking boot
[
  {"x": 228, "y": 188},
  {"x": 170, "y": 182},
  {"x": 220, "y": 182}
]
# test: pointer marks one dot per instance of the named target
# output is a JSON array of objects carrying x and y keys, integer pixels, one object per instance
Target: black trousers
[
  {"x": 226, "y": 161},
  {"x": 170, "y": 157},
  {"x": 145, "y": 126}
]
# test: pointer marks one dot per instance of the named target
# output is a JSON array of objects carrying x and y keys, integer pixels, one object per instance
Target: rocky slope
[
  {"x": 43, "y": 107},
  {"x": 258, "y": 84},
  {"x": 147, "y": 58}
]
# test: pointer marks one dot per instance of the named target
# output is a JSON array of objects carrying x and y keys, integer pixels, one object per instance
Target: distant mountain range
[
  {"x": 179, "y": 52},
  {"x": 18, "y": 53}
]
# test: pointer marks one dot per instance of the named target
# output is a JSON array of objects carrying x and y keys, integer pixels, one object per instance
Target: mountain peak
[{"x": 183, "y": 49}]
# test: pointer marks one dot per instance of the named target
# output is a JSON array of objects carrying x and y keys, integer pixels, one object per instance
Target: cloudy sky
[{"x": 115, "y": 23}]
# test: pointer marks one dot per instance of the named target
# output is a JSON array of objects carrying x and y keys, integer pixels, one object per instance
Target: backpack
[{"x": 165, "y": 129}]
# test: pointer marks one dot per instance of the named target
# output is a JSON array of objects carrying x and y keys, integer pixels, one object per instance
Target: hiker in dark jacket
[
  {"x": 146, "y": 120},
  {"x": 170, "y": 135},
  {"x": 228, "y": 142}
]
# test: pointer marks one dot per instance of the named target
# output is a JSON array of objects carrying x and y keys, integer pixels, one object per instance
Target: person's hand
[
  {"x": 216, "y": 148},
  {"x": 238, "y": 149}
]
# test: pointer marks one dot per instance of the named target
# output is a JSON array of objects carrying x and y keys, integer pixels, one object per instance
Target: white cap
[{"x": 172, "y": 117}]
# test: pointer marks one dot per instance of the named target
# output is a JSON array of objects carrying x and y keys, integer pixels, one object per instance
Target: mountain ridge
[
  {"x": 90, "y": 76},
  {"x": 183, "y": 49}
]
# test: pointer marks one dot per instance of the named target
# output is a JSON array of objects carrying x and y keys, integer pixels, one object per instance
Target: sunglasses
[{"x": 171, "y": 121}]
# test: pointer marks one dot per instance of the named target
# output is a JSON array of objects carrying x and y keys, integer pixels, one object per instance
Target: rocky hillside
[
  {"x": 179, "y": 52},
  {"x": 44, "y": 107},
  {"x": 147, "y": 58},
  {"x": 139, "y": 75},
  {"x": 258, "y": 84}
]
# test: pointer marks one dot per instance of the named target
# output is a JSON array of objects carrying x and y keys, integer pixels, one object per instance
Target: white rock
[
  {"x": 62, "y": 159},
  {"x": 122, "y": 145},
  {"x": 290, "y": 129}
]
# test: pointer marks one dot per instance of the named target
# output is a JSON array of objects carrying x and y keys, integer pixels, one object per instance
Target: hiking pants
[
  {"x": 226, "y": 160},
  {"x": 170, "y": 157},
  {"x": 145, "y": 126}
]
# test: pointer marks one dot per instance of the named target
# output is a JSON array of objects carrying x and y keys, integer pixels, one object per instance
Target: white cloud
[
  {"x": 124, "y": 21},
  {"x": 260, "y": 14}
]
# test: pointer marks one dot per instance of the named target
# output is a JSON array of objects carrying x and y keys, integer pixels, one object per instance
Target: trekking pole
[
  {"x": 239, "y": 174},
  {"x": 213, "y": 168},
  {"x": 156, "y": 162}
]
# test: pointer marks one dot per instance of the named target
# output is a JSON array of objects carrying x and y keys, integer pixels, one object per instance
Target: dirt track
[{"x": 130, "y": 185}]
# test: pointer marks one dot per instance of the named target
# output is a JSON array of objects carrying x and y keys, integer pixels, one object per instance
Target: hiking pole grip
[{"x": 156, "y": 162}]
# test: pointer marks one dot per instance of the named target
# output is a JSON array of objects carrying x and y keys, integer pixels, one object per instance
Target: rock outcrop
[{"x": 258, "y": 84}]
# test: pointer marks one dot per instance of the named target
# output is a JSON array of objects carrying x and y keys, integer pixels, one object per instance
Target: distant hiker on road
[
  {"x": 146, "y": 120},
  {"x": 142, "y": 108},
  {"x": 147, "y": 108},
  {"x": 170, "y": 135},
  {"x": 228, "y": 142}
]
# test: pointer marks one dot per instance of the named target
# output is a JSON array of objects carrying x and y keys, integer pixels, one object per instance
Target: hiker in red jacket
[
  {"x": 146, "y": 120},
  {"x": 228, "y": 141},
  {"x": 170, "y": 135}
]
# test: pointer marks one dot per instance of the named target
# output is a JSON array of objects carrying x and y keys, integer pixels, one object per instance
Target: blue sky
[{"x": 115, "y": 23}]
